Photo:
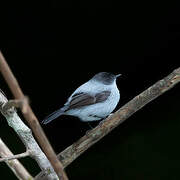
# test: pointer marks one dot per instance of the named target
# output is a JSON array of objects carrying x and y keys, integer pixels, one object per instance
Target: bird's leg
[{"x": 89, "y": 125}]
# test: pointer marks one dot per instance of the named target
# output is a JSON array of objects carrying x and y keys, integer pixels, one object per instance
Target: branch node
[{"x": 16, "y": 103}]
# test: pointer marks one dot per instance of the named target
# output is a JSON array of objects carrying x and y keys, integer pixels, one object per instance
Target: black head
[{"x": 105, "y": 77}]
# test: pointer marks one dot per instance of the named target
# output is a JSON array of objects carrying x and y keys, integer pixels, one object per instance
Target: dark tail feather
[{"x": 53, "y": 116}]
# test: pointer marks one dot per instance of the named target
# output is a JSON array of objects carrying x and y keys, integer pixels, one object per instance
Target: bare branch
[
  {"x": 27, "y": 138},
  {"x": 17, "y": 156},
  {"x": 14, "y": 165},
  {"x": 31, "y": 119},
  {"x": 106, "y": 126}
]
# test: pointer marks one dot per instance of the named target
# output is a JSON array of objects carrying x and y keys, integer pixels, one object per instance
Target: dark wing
[
  {"x": 83, "y": 99},
  {"x": 100, "y": 97}
]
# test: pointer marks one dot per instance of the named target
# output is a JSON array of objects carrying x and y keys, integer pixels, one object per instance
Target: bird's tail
[{"x": 53, "y": 116}]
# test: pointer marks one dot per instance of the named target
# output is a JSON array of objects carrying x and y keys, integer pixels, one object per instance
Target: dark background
[{"x": 54, "y": 47}]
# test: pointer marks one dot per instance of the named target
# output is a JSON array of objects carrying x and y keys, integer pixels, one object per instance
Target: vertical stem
[{"x": 31, "y": 119}]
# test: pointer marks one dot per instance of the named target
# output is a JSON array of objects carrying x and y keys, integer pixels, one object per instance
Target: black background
[{"x": 54, "y": 47}]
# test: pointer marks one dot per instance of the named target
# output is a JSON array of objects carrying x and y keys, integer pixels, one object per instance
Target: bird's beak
[{"x": 118, "y": 75}]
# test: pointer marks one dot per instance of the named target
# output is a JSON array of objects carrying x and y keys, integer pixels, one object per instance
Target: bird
[{"x": 92, "y": 101}]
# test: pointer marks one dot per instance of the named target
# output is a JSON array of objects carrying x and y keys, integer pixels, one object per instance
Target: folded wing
[{"x": 81, "y": 99}]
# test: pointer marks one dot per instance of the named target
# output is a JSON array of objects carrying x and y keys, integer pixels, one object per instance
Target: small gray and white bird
[{"x": 92, "y": 101}]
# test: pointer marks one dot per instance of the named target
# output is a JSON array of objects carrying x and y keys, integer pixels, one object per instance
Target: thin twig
[
  {"x": 31, "y": 119},
  {"x": 18, "y": 169},
  {"x": 106, "y": 126},
  {"x": 17, "y": 156}
]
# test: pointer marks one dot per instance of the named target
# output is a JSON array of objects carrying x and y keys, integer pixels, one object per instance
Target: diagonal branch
[
  {"x": 106, "y": 126},
  {"x": 31, "y": 119},
  {"x": 18, "y": 169}
]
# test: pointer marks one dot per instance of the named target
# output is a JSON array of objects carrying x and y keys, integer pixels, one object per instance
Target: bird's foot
[
  {"x": 102, "y": 121},
  {"x": 110, "y": 114}
]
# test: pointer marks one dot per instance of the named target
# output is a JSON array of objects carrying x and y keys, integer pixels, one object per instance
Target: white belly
[{"x": 97, "y": 111}]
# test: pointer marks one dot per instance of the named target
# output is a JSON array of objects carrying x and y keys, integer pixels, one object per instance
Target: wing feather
[{"x": 84, "y": 99}]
